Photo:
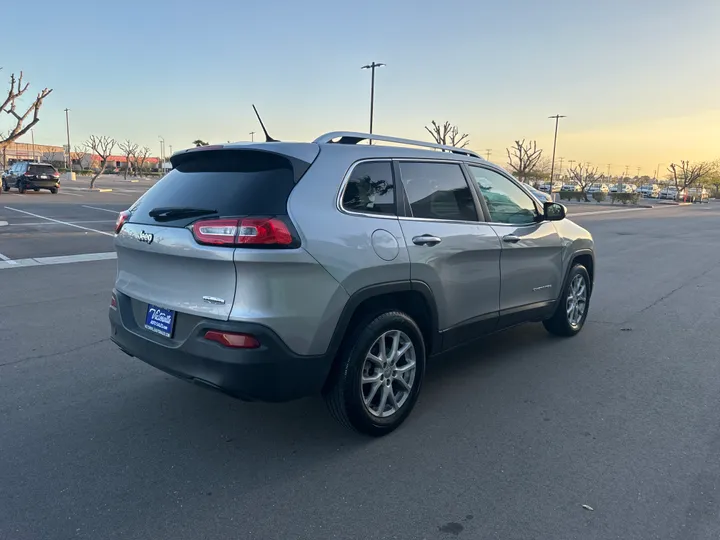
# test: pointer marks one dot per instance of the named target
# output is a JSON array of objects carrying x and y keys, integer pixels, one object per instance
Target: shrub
[
  {"x": 571, "y": 195},
  {"x": 625, "y": 198},
  {"x": 599, "y": 196}
]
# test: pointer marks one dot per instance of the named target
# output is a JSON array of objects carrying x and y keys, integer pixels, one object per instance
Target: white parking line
[
  {"x": 71, "y": 194},
  {"x": 96, "y": 208},
  {"x": 7, "y": 264},
  {"x": 51, "y": 224},
  {"x": 61, "y": 222},
  {"x": 8, "y": 261}
]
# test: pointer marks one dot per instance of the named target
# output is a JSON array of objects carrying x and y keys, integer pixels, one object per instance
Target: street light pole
[
  {"x": 67, "y": 128},
  {"x": 162, "y": 148},
  {"x": 372, "y": 67},
  {"x": 557, "y": 118},
  {"x": 32, "y": 134},
  {"x": 488, "y": 151},
  {"x": 252, "y": 136}
]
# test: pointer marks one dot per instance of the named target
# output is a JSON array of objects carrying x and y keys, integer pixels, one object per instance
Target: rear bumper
[
  {"x": 42, "y": 184},
  {"x": 269, "y": 373}
]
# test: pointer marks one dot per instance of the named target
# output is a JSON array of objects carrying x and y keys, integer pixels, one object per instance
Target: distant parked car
[
  {"x": 598, "y": 187},
  {"x": 570, "y": 187},
  {"x": 700, "y": 195},
  {"x": 25, "y": 175},
  {"x": 649, "y": 190}
]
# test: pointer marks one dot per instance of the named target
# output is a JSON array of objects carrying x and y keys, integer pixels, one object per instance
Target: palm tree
[{"x": 199, "y": 142}]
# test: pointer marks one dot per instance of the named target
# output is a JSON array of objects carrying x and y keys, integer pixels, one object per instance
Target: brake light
[
  {"x": 121, "y": 220},
  {"x": 233, "y": 340},
  {"x": 28, "y": 174},
  {"x": 113, "y": 302},
  {"x": 243, "y": 232},
  {"x": 56, "y": 175}
]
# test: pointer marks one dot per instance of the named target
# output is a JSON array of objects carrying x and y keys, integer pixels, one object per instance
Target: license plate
[
  {"x": 43, "y": 176},
  {"x": 160, "y": 320}
]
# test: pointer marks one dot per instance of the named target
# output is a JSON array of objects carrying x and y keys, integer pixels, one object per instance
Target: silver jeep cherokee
[{"x": 271, "y": 271}]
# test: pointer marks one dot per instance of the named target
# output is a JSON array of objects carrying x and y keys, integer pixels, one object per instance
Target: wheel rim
[
  {"x": 388, "y": 374},
  {"x": 576, "y": 303}
]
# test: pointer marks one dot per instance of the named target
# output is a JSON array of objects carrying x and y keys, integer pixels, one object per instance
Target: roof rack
[{"x": 352, "y": 137}]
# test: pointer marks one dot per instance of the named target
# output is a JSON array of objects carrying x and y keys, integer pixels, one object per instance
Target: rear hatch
[
  {"x": 175, "y": 249},
  {"x": 40, "y": 174}
]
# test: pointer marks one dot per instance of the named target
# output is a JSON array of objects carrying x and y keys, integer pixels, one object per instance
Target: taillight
[
  {"x": 113, "y": 301},
  {"x": 233, "y": 340},
  {"x": 244, "y": 232},
  {"x": 56, "y": 175},
  {"x": 28, "y": 174},
  {"x": 121, "y": 220}
]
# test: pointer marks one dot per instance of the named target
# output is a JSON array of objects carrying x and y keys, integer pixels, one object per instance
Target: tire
[
  {"x": 36, "y": 189},
  {"x": 5, "y": 186},
  {"x": 21, "y": 187},
  {"x": 563, "y": 323},
  {"x": 53, "y": 190},
  {"x": 346, "y": 396}
]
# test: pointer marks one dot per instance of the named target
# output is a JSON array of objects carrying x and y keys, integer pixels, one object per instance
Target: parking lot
[{"x": 510, "y": 438}]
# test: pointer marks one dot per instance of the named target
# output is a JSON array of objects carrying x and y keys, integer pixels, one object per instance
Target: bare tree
[
  {"x": 523, "y": 158},
  {"x": 79, "y": 156},
  {"x": 141, "y": 157},
  {"x": 687, "y": 174},
  {"x": 584, "y": 176},
  {"x": 128, "y": 148},
  {"x": 448, "y": 134},
  {"x": 8, "y": 106},
  {"x": 102, "y": 146}
]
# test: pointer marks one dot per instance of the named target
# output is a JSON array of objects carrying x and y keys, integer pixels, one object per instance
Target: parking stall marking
[
  {"x": 7, "y": 264},
  {"x": 60, "y": 222},
  {"x": 50, "y": 224},
  {"x": 97, "y": 208}
]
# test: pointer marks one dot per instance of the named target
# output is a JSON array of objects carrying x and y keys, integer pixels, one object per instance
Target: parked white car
[
  {"x": 672, "y": 193},
  {"x": 570, "y": 187},
  {"x": 598, "y": 187},
  {"x": 650, "y": 190}
]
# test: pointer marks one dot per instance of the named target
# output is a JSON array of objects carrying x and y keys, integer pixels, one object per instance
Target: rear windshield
[
  {"x": 231, "y": 182},
  {"x": 41, "y": 169}
]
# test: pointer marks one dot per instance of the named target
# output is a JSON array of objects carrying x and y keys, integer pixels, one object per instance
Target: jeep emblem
[{"x": 146, "y": 237}]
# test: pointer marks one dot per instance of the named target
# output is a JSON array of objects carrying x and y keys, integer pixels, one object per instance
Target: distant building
[
  {"x": 17, "y": 151},
  {"x": 56, "y": 155}
]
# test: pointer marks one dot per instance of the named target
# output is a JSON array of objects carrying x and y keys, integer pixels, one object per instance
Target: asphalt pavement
[{"x": 510, "y": 437}]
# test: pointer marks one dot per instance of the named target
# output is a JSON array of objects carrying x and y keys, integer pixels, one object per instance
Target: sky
[{"x": 639, "y": 80}]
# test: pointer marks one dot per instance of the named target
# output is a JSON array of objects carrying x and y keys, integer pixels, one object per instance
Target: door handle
[
  {"x": 511, "y": 239},
  {"x": 426, "y": 240}
]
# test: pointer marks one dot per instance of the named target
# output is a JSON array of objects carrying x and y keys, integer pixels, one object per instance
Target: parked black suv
[{"x": 25, "y": 175}]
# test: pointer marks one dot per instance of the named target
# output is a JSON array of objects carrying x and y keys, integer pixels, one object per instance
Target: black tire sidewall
[{"x": 352, "y": 367}]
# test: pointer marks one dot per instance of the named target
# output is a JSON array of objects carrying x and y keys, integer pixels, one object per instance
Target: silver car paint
[
  {"x": 300, "y": 294},
  {"x": 174, "y": 271}
]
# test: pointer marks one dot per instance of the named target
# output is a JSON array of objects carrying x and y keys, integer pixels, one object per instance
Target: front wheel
[
  {"x": 378, "y": 375},
  {"x": 572, "y": 309},
  {"x": 21, "y": 187},
  {"x": 5, "y": 186},
  {"x": 53, "y": 190}
]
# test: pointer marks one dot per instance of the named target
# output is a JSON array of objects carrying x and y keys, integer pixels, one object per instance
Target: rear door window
[{"x": 232, "y": 183}]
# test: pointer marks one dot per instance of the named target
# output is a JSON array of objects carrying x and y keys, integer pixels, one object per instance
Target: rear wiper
[{"x": 169, "y": 213}]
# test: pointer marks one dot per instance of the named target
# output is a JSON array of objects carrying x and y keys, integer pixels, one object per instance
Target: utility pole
[
  {"x": 252, "y": 136},
  {"x": 67, "y": 128},
  {"x": 372, "y": 67},
  {"x": 488, "y": 151},
  {"x": 162, "y": 148},
  {"x": 557, "y": 118},
  {"x": 608, "y": 174},
  {"x": 657, "y": 172},
  {"x": 171, "y": 149},
  {"x": 32, "y": 134},
  {"x": 561, "y": 169},
  {"x": 638, "y": 172}
]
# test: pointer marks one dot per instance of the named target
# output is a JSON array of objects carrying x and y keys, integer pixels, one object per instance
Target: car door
[
  {"x": 450, "y": 248},
  {"x": 531, "y": 267}
]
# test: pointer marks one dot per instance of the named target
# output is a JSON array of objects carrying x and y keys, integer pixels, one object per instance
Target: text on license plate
[{"x": 160, "y": 320}]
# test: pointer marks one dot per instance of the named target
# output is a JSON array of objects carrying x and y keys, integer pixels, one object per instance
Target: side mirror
[{"x": 554, "y": 211}]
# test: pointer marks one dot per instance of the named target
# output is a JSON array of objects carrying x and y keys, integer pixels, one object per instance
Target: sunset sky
[{"x": 639, "y": 80}]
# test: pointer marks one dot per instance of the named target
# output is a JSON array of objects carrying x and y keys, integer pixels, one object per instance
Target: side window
[
  {"x": 438, "y": 191},
  {"x": 506, "y": 202},
  {"x": 370, "y": 189}
]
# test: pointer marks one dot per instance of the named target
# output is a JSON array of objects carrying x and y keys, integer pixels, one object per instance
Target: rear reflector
[
  {"x": 233, "y": 340},
  {"x": 246, "y": 232}
]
